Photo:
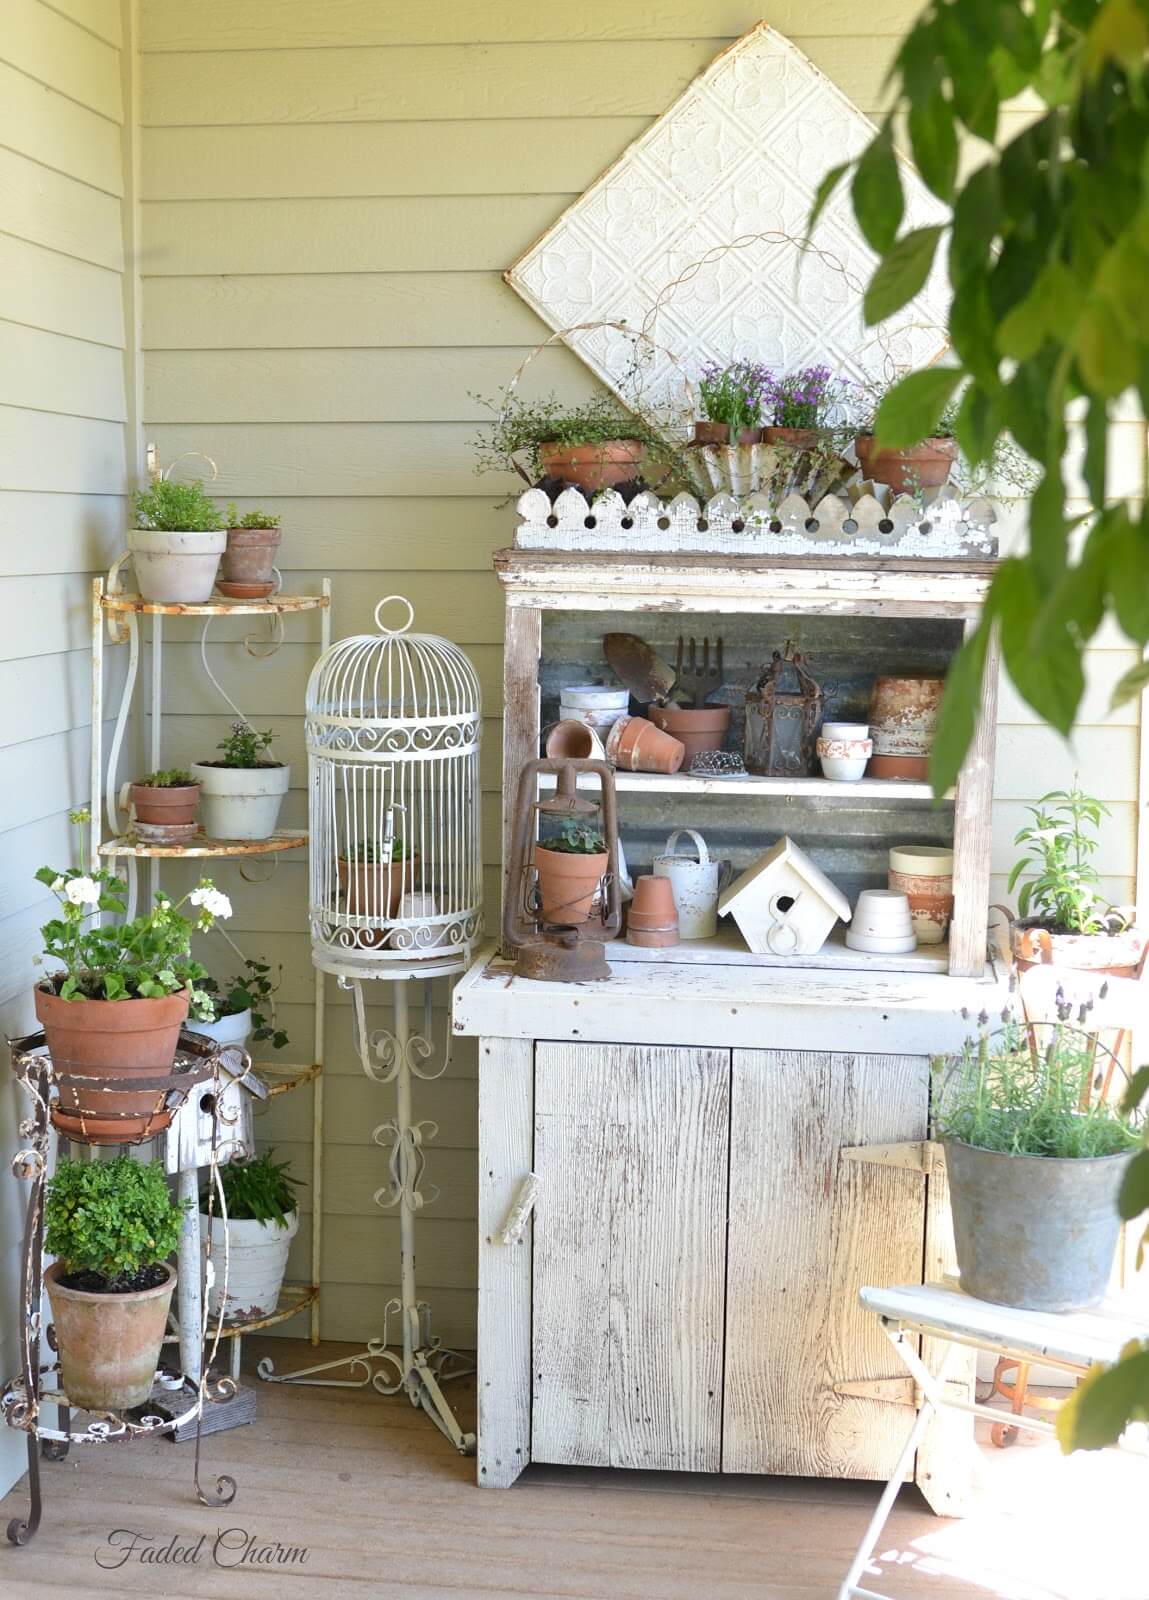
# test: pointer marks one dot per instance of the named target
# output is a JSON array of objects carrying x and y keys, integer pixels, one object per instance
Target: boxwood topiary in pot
[
  {"x": 1036, "y": 1154},
  {"x": 112, "y": 1226},
  {"x": 175, "y": 543}
]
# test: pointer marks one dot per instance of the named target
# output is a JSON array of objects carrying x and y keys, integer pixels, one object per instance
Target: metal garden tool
[
  {"x": 646, "y": 675},
  {"x": 699, "y": 682}
]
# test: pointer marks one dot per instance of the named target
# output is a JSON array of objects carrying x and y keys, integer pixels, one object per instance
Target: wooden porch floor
[{"x": 386, "y": 1510}]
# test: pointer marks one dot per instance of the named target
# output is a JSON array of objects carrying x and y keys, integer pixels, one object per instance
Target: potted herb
[
  {"x": 242, "y": 1008},
  {"x": 111, "y": 1226},
  {"x": 165, "y": 799},
  {"x": 176, "y": 542},
  {"x": 1035, "y": 1158},
  {"x": 242, "y": 793},
  {"x": 373, "y": 875},
  {"x": 593, "y": 446},
  {"x": 1063, "y": 919},
  {"x": 248, "y": 571},
  {"x": 115, "y": 1006},
  {"x": 570, "y": 866},
  {"x": 262, "y": 1220},
  {"x": 799, "y": 407},
  {"x": 731, "y": 400},
  {"x": 925, "y": 465}
]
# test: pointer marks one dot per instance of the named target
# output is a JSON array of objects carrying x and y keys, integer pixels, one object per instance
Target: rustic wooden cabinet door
[
  {"x": 807, "y": 1229},
  {"x": 631, "y": 1152}
]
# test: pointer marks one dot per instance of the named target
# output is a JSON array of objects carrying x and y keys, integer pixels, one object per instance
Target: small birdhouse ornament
[
  {"x": 783, "y": 712},
  {"x": 784, "y": 904}
]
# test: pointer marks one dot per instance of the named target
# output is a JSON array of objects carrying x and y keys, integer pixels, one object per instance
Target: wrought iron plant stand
[{"x": 179, "y": 1398}]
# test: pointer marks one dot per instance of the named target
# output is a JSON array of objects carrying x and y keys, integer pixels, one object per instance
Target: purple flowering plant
[
  {"x": 804, "y": 399},
  {"x": 733, "y": 394}
]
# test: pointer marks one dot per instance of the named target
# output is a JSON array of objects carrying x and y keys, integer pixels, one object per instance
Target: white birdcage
[{"x": 393, "y": 723}]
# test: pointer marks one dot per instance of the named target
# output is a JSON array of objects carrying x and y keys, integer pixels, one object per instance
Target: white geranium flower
[
  {"x": 83, "y": 891},
  {"x": 213, "y": 901},
  {"x": 57, "y": 885}
]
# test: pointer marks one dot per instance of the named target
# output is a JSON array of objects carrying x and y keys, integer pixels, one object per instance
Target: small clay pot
[
  {"x": 703, "y": 728},
  {"x": 903, "y": 720},
  {"x": 249, "y": 557},
  {"x": 165, "y": 807},
  {"x": 573, "y": 741},
  {"x": 591, "y": 467},
  {"x": 924, "y": 874},
  {"x": 711, "y": 433},
  {"x": 652, "y": 920},
  {"x": 636, "y": 745},
  {"x": 922, "y": 466},
  {"x": 792, "y": 438},
  {"x": 568, "y": 884},
  {"x": 362, "y": 885}
]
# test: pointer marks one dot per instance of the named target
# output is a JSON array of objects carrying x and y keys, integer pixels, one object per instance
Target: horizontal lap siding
[
  {"x": 331, "y": 192},
  {"x": 62, "y": 469}
]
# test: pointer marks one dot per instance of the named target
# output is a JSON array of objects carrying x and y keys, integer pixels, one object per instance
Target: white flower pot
[
  {"x": 240, "y": 802},
  {"x": 176, "y": 568},
  {"x": 227, "y": 1030},
  {"x": 256, "y": 1265}
]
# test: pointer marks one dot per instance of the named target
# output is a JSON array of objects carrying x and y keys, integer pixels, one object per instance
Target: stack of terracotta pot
[{"x": 903, "y": 721}]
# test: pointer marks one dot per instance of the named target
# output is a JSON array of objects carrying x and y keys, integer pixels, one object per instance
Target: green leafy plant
[
  {"x": 143, "y": 958},
  {"x": 811, "y": 398},
  {"x": 175, "y": 508},
  {"x": 244, "y": 747},
  {"x": 732, "y": 395},
  {"x": 250, "y": 519},
  {"x": 521, "y": 426},
  {"x": 258, "y": 1191},
  {"x": 577, "y": 839},
  {"x": 251, "y": 990},
  {"x": 111, "y": 1218},
  {"x": 166, "y": 778},
  {"x": 1028, "y": 1090},
  {"x": 1047, "y": 244},
  {"x": 367, "y": 851},
  {"x": 1060, "y": 887}
]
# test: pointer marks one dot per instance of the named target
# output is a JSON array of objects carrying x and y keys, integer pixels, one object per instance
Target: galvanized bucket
[
  {"x": 1037, "y": 1232},
  {"x": 694, "y": 884}
]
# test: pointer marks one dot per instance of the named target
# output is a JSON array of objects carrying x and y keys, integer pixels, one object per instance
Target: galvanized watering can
[{"x": 694, "y": 884}]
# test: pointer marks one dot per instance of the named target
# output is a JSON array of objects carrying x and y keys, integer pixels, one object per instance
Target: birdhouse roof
[{"x": 756, "y": 878}]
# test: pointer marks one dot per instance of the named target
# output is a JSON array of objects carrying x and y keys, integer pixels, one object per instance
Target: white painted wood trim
[
  {"x": 943, "y": 1467},
  {"x": 506, "y": 1118},
  {"x": 891, "y": 791}
]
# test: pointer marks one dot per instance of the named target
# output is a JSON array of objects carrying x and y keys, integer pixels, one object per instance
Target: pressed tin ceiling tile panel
[{"x": 740, "y": 153}]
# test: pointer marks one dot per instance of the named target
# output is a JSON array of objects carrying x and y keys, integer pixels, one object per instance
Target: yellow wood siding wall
[
  {"x": 331, "y": 190},
  {"x": 63, "y": 411}
]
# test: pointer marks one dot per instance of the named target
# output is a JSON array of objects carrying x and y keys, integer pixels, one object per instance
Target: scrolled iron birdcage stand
[{"x": 35, "y": 1387}]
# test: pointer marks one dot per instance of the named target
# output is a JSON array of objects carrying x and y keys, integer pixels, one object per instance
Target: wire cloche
[{"x": 393, "y": 723}]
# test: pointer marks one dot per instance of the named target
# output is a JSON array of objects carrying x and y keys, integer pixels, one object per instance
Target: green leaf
[
  {"x": 1096, "y": 448},
  {"x": 1135, "y": 1090},
  {"x": 1120, "y": 33},
  {"x": 934, "y": 140},
  {"x": 1133, "y": 1197},
  {"x": 911, "y": 410},
  {"x": 877, "y": 192},
  {"x": 1048, "y": 537},
  {"x": 977, "y": 213},
  {"x": 902, "y": 273},
  {"x": 1045, "y": 665},
  {"x": 1048, "y": 310},
  {"x": 823, "y": 192},
  {"x": 1127, "y": 574},
  {"x": 1130, "y": 687},
  {"x": 976, "y": 426},
  {"x": 957, "y": 718},
  {"x": 1105, "y": 354},
  {"x": 1108, "y": 1398}
]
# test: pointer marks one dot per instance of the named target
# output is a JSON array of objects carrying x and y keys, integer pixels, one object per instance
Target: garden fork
[{"x": 699, "y": 683}]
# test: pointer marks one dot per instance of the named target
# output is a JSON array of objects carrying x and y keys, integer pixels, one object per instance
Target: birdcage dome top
[{"x": 393, "y": 678}]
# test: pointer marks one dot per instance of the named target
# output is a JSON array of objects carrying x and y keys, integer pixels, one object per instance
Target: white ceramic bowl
[
  {"x": 885, "y": 913},
  {"x": 844, "y": 760},
  {"x": 845, "y": 730},
  {"x": 875, "y": 945}
]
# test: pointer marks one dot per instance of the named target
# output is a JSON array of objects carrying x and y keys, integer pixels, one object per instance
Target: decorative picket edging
[{"x": 937, "y": 524}]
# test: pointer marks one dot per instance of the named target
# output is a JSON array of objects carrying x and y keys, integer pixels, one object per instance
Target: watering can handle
[{"x": 699, "y": 845}]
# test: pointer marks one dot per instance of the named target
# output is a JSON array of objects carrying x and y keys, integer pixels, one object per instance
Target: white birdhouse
[
  {"x": 188, "y": 1140},
  {"x": 784, "y": 905}
]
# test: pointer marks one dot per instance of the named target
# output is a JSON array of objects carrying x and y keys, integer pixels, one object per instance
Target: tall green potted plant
[
  {"x": 1036, "y": 1158},
  {"x": 114, "y": 1005},
  {"x": 175, "y": 543},
  {"x": 262, "y": 1220},
  {"x": 111, "y": 1226},
  {"x": 242, "y": 792}
]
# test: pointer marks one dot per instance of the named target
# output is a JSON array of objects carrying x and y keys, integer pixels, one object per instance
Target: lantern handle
[{"x": 399, "y": 600}]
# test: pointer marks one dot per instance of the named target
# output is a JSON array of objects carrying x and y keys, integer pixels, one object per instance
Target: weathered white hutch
[{"x": 725, "y": 1146}]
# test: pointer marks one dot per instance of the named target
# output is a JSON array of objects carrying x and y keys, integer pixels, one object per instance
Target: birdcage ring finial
[{"x": 401, "y": 600}]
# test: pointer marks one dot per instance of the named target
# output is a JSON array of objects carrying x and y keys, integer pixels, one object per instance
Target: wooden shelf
[
  {"x": 728, "y": 949},
  {"x": 275, "y": 605},
  {"x": 281, "y": 839},
  {"x": 895, "y": 791}
]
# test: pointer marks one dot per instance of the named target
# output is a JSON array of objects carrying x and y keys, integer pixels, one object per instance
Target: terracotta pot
[
  {"x": 245, "y": 591},
  {"x": 923, "y": 466},
  {"x": 711, "y": 433},
  {"x": 109, "y": 1344},
  {"x": 250, "y": 556},
  {"x": 636, "y": 745},
  {"x": 363, "y": 885},
  {"x": 165, "y": 808},
  {"x": 1112, "y": 954},
  {"x": 591, "y": 467},
  {"x": 704, "y": 728},
  {"x": 574, "y": 741},
  {"x": 903, "y": 720},
  {"x": 568, "y": 884},
  {"x": 111, "y": 1039},
  {"x": 652, "y": 920},
  {"x": 924, "y": 874},
  {"x": 794, "y": 438}
]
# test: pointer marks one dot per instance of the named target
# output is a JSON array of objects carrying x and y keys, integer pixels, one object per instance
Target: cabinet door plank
[
  {"x": 631, "y": 1149},
  {"x": 806, "y": 1231}
]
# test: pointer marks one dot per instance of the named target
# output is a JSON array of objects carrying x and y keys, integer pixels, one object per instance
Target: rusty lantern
[
  {"x": 559, "y": 934},
  {"x": 783, "y": 713}
]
